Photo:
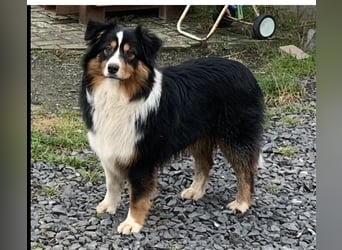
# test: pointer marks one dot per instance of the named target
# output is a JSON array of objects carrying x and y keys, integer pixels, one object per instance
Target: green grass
[
  {"x": 295, "y": 109},
  {"x": 272, "y": 189},
  {"x": 50, "y": 192},
  {"x": 288, "y": 151},
  {"x": 271, "y": 112},
  {"x": 278, "y": 74},
  {"x": 280, "y": 78},
  {"x": 97, "y": 215},
  {"x": 92, "y": 175},
  {"x": 289, "y": 111},
  {"x": 38, "y": 245},
  {"x": 290, "y": 121},
  {"x": 55, "y": 139}
]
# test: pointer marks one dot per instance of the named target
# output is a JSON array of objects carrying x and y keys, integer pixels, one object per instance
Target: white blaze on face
[{"x": 115, "y": 59}]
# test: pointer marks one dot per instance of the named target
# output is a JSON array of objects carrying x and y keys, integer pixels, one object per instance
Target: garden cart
[{"x": 263, "y": 27}]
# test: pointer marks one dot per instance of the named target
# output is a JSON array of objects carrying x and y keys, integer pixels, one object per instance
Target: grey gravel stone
[{"x": 58, "y": 209}]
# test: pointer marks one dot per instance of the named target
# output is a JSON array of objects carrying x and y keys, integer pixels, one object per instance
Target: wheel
[
  {"x": 264, "y": 26},
  {"x": 225, "y": 21}
]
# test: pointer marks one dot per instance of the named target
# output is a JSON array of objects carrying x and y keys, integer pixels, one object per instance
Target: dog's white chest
[
  {"x": 114, "y": 119},
  {"x": 114, "y": 135}
]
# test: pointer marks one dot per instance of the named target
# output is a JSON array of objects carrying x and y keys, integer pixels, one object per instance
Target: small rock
[
  {"x": 75, "y": 246},
  {"x": 294, "y": 51},
  {"x": 310, "y": 43},
  {"x": 291, "y": 226},
  {"x": 58, "y": 209},
  {"x": 275, "y": 228}
]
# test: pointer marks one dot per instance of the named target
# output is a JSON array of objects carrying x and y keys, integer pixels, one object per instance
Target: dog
[{"x": 139, "y": 116}]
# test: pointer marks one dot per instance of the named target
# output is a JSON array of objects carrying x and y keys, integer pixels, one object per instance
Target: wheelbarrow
[{"x": 263, "y": 27}]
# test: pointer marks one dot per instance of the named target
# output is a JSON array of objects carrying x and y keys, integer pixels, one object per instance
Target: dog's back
[{"x": 205, "y": 98}]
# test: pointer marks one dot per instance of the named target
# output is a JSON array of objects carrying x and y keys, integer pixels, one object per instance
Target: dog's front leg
[
  {"x": 142, "y": 184},
  {"x": 114, "y": 185}
]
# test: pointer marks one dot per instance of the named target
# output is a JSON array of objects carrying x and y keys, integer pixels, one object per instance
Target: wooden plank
[
  {"x": 87, "y": 12},
  {"x": 66, "y": 9},
  {"x": 98, "y": 12},
  {"x": 62, "y": 9},
  {"x": 170, "y": 12}
]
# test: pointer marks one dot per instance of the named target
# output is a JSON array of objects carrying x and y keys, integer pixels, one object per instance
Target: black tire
[
  {"x": 264, "y": 26},
  {"x": 225, "y": 21}
]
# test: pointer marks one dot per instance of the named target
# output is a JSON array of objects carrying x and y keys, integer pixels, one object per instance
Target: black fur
[{"x": 204, "y": 98}]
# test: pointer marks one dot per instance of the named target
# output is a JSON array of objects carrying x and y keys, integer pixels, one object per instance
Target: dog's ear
[
  {"x": 94, "y": 30},
  {"x": 150, "y": 44}
]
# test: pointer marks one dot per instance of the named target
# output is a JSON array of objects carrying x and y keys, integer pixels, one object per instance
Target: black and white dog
[{"x": 139, "y": 116}]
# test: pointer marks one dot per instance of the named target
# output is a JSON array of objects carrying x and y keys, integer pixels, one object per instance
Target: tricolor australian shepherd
[{"x": 138, "y": 116}]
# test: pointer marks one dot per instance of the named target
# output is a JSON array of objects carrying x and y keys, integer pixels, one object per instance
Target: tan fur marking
[
  {"x": 244, "y": 188},
  {"x": 140, "y": 208},
  {"x": 202, "y": 153},
  {"x": 126, "y": 47},
  {"x": 244, "y": 169},
  {"x": 133, "y": 79},
  {"x": 94, "y": 71},
  {"x": 113, "y": 44}
]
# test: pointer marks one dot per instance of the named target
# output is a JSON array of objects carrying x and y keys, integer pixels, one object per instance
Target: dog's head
[{"x": 119, "y": 53}]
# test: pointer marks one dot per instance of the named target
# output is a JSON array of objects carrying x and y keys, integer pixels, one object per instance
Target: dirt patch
[{"x": 46, "y": 125}]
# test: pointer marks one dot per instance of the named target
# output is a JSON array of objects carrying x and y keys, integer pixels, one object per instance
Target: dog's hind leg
[
  {"x": 202, "y": 153},
  {"x": 244, "y": 163}
]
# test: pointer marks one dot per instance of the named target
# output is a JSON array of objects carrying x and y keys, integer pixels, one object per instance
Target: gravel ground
[{"x": 283, "y": 215}]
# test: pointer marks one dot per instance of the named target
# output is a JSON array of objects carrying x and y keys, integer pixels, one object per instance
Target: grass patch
[
  {"x": 97, "y": 215},
  {"x": 50, "y": 191},
  {"x": 290, "y": 111},
  {"x": 91, "y": 175},
  {"x": 280, "y": 78},
  {"x": 288, "y": 151},
  {"x": 290, "y": 121},
  {"x": 38, "y": 246},
  {"x": 56, "y": 138},
  {"x": 271, "y": 112},
  {"x": 295, "y": 109},
  {"x": 272, "y": 189}
]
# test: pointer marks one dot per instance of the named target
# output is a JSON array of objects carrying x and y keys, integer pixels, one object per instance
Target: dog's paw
[
  {"x": 238, "y": 207},
  {"x": 106, "y": 206},
  {"x": 191, "y": 193},
  {"x": 129, "y": 226}
]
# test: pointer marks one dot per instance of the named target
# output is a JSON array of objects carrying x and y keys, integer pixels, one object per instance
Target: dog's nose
[{"x": 113, "y": 68}]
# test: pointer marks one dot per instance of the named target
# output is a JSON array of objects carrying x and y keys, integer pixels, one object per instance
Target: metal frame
[
  {"x": 213, "y": 28},
  {"x": 224, "y": 11}
]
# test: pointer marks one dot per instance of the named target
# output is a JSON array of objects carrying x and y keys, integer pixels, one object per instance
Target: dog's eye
[
  {"x": 130, "y": 55},
  {"x": 108, "y": 50}
]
